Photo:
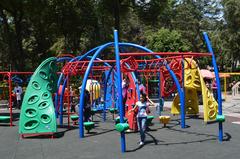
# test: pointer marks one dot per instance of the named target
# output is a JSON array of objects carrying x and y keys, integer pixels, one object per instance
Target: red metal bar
[
  {"x": 37, "y": 134},
  {"x": 146, "y": 85},
  {"x": 150, "y": 60},
  {"x": 9, "y": 75},
  {"x": 66, "y": 55},
  {"x": 17, "y": 73},
  {"x": 10, "y": 97}
]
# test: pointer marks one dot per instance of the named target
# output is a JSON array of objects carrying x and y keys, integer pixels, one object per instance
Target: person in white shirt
[
  {"x": 143, "y": 109},
  {"x": 18, "y": 93}
]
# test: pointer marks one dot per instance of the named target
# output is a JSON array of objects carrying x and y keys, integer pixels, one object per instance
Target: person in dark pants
[
  {"x": 87, "y": 106},
  {"x": 72, "y": 100},
  {"x": 214, "y": 89}
]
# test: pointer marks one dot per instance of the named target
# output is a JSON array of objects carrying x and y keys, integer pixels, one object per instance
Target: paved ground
[
  {"x": 230, "y": 107},
  {"x": 196, "y": 141}
]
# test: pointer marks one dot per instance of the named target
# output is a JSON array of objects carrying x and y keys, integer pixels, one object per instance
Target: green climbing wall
[{"x": 37, "y": 111}]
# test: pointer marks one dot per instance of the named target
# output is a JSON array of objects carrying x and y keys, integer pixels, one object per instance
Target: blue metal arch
[
  {"x": 147, "y": 50},
  {"x": 98, "y": 50},
  {"x": 116, "y": 44},
  {"x": 180, "y": 91},
  {"x": 79, "y": 58},
  {"x": 84, "y": 82},
  {"x": 62, "y": 59},
  {"x": 64, "y": 86},
  {"x": 214, "y": 63}
]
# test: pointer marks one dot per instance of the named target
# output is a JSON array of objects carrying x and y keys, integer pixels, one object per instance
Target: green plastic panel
[
  {"x": 149, "y": 120},
  {"x": 117, "y": 120},
  {"x": 113, "y": 110},
  {"x": 3, "y": 118},
  {"x": 94, "y": 111},
  {"x": 89, "y": 125},
  {"x": 37, "y": 111},
  {"x": 120, "y": 127},
  {"x": 74, "y": 117},
  {"x": 220, "y": 118}
]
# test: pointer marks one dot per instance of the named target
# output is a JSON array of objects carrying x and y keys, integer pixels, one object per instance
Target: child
[
  {"x": 143, "y": 108},
  {"x": 125, "y": 85},
  {"x": 18, "y": 92}
]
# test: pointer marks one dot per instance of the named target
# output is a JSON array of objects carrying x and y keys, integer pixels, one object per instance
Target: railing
[{"x": 235, "y": 89}]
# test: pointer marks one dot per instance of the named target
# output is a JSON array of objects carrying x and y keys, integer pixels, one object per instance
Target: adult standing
[
  {"x": 214, "y": 89},
  {"x": 87, "y": 106}
]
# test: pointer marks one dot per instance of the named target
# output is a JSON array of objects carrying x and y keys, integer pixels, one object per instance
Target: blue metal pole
[
  {"x": 61, "y": 100},
  {"x": 209, "y": 46},
  {"x": 56, "y": 96},
  {"x": 105, "y": 92},
  {"x": 180, "y": 93},
  {"x": 183, "y": 97},
  {"x": 114, "y": 85},
  {"x": 84, "y": 83},
  {"x": 119, "y": 85}
]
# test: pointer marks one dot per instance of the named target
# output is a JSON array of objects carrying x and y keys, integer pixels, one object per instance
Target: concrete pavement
[{"x": 230, "y": 108}]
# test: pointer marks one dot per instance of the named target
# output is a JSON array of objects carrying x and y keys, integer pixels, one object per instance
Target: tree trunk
[
  {"x": 7, "y": 38},
  {"x": 20, "y": 65}
]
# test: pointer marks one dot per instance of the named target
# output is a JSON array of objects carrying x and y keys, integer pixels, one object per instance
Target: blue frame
[
  {"x": 214, "y": 63},
  {"x": 96, "y": 51}
]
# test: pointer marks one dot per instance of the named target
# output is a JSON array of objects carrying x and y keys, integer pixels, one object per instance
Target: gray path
[{"x": 230, "y": 108}]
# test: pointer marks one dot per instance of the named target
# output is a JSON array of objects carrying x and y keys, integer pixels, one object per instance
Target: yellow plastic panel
[
  {"x": 191, "y": 102},
  {"x": 94, "y": 89},
  {"x": 175, "y": 109},
  {"x": 210, "y": 105},
  {"x": 191, "y": 75}
]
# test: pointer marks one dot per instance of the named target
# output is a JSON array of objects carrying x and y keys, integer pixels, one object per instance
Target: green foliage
[
  {"x": 31, "y": 31},
  {"x": 231, "y": 31},
  {"x": 165, "y": 40}
]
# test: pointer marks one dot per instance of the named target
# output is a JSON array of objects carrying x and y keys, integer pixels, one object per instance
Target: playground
[
  {"x": 119, "y": 79},
  {"x": 186, "y": 115}
]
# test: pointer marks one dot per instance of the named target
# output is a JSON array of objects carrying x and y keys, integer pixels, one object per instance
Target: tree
[
  {"x": 165, "y": 40},
  {"x": 12, "y": 14},
  {"x": 232, "y": 30},
  {"x": 150, "y": 10},
  {"x": 195, "y": 16}
]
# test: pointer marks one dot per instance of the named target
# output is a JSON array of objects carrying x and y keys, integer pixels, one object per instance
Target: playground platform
[{"x": 198, "y": 140}]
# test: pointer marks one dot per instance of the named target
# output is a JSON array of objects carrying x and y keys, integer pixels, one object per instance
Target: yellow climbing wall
[
  {"x": 191, "y": 75},
  {"x": 210, "y": 105},
  {"x": 191, "y": 102},
  {"x": 194, "y": 82},
  {"x": 94, "y": 89}
]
